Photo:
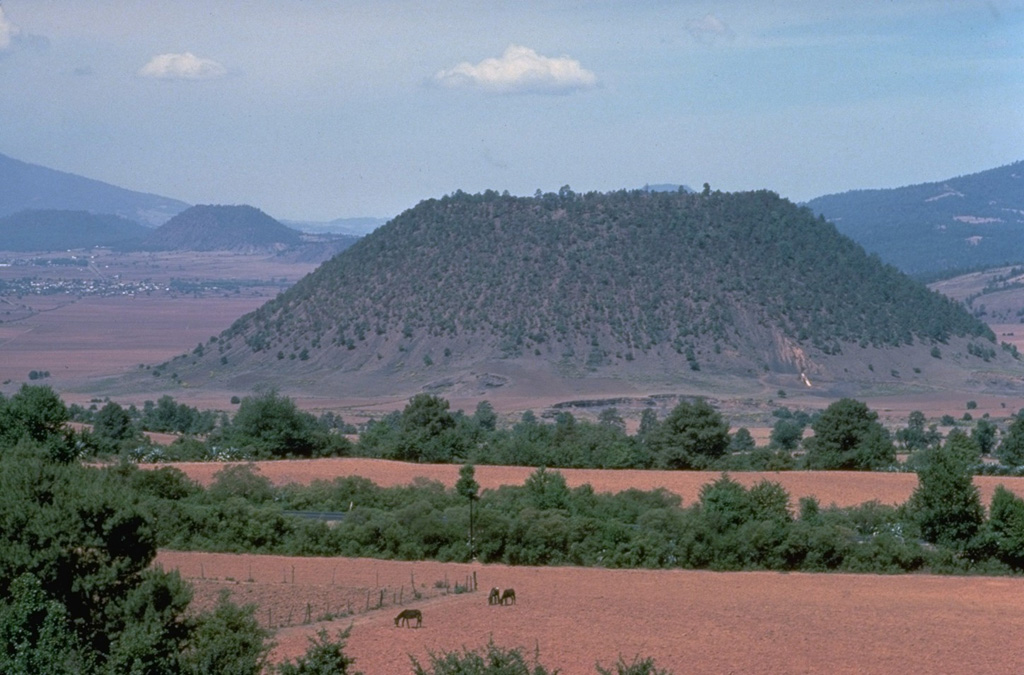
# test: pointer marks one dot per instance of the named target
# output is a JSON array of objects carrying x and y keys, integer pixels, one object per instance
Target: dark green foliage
[
  {"x": 35, "y": 636},
  {"x": 240, "y": 480},
  {"x": 946, "y": 503},
  {"x": 38, "y": 415},
  {"x": 618, "y": 281},
  {"x": 742, "y": 441},
  {"x": 324, "y": 656},
  {"x": 227, "y": 640},
  {"x": 113, "y": 423},
  {"x": 269, "y": 425},
  {"x": 847, "y": 435},
  {"x": 915, "y": 436},
  {"x": 920, "y": 232},
  {"x": 787, "y": 434},
  {"x": 1011, "y": 450},
  {"x": 77, "y": 590},
  {"x": 691, "y": 436},
  {"x": 425, "y": 425},
  {"x": 638, "y": 666},
  {"x": 1006, "y": 523},
  {"x": 485, "y": 417},
  {"x": 467, "y": 486},
  {"x": 986, "y": 435},
  {"x": 168, "y": 416},
  {"x": 489, "y": 660}
]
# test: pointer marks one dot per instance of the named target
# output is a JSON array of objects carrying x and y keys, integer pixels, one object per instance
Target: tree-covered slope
[
  {"x": 627, "y": 284},
  {"x": 51, "y": 230},
  {"x": 961, "y": 223},
  {"x": 218, "y": 227},
  {"x": 30, "y": 186}
]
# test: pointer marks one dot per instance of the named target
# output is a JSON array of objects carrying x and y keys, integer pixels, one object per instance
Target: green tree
[
  {"x": 35, "y": 633},
  {"x": 78, "y": 593},
  {"x": 485, "y": 417},
  {"x": 113, "y": 423},
  {"x": 946, "y": 503},
  {"x": 985, "y": 434},
  {"x": 490, "y": 660},
  {"x": 915, "y": 436},
  {"x": 227, "y": 640},
  {"x": 547, "y": 489},
  {"x": 638, "y": 666},
  {"x": 648, "y": 423},
  {"x": 691, "y": 436},
  {"x": 35, "y": 413},
  {"x": 466, "y": 486},
  {"x": 426, "y": 431},
  {"x": 271, "y": 425},
  {"x": 324, "y": 656},
  {"x": 1011, "y": 449},
  {"x": 847, "y": 435},
  {"x": 611, "y": 417},
  {"x": 787, "y": 434},
  {"x": 1006, "y": 522},
  {"x": 742, "y": 441}
]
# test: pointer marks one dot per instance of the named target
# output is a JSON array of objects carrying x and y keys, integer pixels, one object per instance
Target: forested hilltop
[
  {"x": 630, "y": 284},
  {"x": 937, "y": 229}
]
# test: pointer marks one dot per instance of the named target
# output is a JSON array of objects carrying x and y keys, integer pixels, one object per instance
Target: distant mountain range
[
  {"x": 219, "y": 228},
  {"x": 46, "y": 210},
  {"x": 935, "y": 229},
  {"x": 54, "y": 230},
  {"x": 26, "y": 186},
  {"x": 929, "y": 230},
  {"x": 351, "y": 226},
  {"x": 242, "y": 229},
  {"x": 645, "y": 286}
]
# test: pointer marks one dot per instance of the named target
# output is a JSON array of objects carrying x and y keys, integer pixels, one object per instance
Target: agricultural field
[
  {"x": 84, "y": 324},
  {"x": 688, "y": 621},
  {"x": 842, "y": 488}
]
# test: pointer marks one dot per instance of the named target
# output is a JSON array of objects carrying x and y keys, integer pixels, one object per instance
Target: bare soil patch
[
  {"x": 843, "y": 488},
  {"x": 688, "y": 621},
  {"x": 85, "y": 339}
]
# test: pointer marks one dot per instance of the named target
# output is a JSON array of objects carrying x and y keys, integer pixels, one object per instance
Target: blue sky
[{"x": 320, "y": 109}]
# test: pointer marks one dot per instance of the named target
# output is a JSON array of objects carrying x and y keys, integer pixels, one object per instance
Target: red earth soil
[
  {"x": 688, "y": 621},
  {"x": 843, "y": 488}
]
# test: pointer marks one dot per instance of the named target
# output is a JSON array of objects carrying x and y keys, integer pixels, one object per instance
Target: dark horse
[
  {"x": 508, "y": 596},
  {"x": 494, "y": 597},
  {"x": 408, "y": 614}
]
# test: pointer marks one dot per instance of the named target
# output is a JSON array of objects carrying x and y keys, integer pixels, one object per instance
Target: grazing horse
[
  {"x": 406, "y": 614},
  {"x": 494, "y": 597},
  {"x": 508, "y": 596}
]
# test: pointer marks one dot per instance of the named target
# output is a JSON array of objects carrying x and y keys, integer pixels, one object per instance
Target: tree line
[
  {"x": 847, "y": 435},
  {"x": 78, "y": 593}
]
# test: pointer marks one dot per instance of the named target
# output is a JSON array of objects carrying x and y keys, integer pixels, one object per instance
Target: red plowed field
[
  {"x": 690, "y": 622},
  {"x": 843, "y": 488}
]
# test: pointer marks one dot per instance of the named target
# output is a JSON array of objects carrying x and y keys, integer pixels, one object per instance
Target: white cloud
[
  {"x": 185, "y": 66},
  {"x": 8, "y": 32},
  {"x": 520, "y": 70},
  {"x": 709, "y": 29}
]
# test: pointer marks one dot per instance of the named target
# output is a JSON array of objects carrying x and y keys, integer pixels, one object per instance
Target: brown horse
[
  {"x": 406, "y": 615},
  {"x": 508, "y": 596},
  {"x": 494, "y": 597}
]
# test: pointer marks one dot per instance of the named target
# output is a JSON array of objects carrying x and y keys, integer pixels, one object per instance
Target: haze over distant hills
[
  {"x": 937, "y": 228},
  {"x": 658, "y": 287},
  {"x": 30, "y": 186},
  {"x": 56, "y": 230},
  {"x": 356, "y": 227},
  {"x": 221, "y": 228}
]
